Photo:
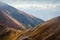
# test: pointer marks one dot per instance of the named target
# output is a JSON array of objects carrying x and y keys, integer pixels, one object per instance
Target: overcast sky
[{"x": 44, "y": 9}]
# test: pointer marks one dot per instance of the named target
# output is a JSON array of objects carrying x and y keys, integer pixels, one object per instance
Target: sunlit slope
[
  {"x": 49, "y": 30},
  {"x": 9, "y": 33}
]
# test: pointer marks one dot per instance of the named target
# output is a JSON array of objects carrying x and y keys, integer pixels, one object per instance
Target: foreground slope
[
  {"x": 9, "y": 33},
  {"x": 24, "y": 18},
  {"x": 49, "y": 30}
]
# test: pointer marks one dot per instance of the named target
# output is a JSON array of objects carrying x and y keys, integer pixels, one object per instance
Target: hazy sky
[{"x": 44, "y": 9}]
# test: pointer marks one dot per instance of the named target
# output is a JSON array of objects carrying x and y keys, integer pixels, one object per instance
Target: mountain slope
[
  {"x": 9, "y": 33},
  {"x": 26, "y": 19},
  {"x": 8, "y": 21},
  {"x": 49, "y": 30}
]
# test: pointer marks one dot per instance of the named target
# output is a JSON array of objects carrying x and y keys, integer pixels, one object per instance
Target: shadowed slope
[{"x": 8, "y": 21}]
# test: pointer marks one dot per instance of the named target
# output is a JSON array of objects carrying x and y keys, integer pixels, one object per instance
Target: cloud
[
  {"x": 36, "y": 4},
  {"x": 49, "y": 7},
  {"x": 32, "y": 1},
  {"x": 41, "y": 6}
]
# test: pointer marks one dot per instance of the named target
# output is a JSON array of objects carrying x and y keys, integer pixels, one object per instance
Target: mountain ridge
[
  {"x": 27, "y": 20},
  {"x": 49, "y": 30}
]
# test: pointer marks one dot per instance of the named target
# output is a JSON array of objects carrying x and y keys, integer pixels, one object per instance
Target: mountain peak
[
  {"x": 58, "y": 17},
  {"x": 2, "y": 3}
]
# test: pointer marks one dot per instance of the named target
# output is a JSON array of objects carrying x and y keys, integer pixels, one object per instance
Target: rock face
[
  {"x": 49, "y": 30},
  {"x": 22, "y": 17}
]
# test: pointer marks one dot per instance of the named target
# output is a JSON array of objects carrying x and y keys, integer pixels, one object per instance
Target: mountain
[
  {"x": 49, "y": 30},
  {"x": 22, "y": 17},
  {"x": 8, "y": 21},
  {"x": 44, "y": 13}
]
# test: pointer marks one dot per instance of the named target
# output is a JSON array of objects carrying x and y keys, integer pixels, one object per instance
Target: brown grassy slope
[
  {"x": 49, "y": 30},
  {"x": 9, "y": 33}
]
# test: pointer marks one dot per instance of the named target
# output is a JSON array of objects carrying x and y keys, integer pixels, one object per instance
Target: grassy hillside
[
  {"x": 9, "y": 33},
  {"x": 49, "y": 30}
]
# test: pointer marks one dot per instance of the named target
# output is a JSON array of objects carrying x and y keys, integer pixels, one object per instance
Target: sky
[{"x": 44, "y": 9}]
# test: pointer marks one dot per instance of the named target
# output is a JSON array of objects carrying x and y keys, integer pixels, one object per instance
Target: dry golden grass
[{"x": 12, "y": 34}]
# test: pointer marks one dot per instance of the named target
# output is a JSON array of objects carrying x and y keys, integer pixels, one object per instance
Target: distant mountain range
[{"x": 11, "y": 17}]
